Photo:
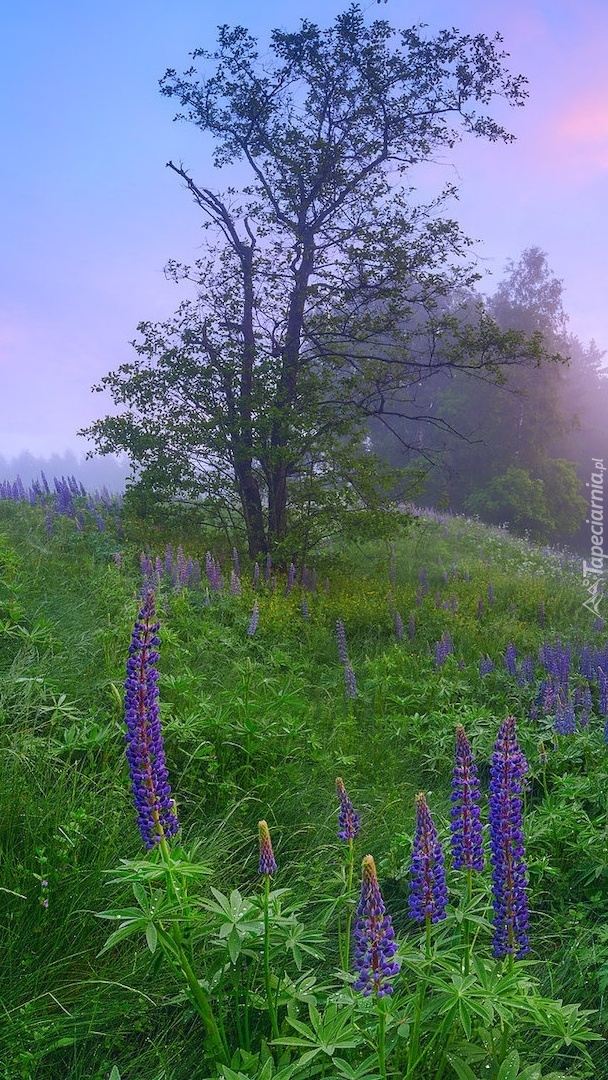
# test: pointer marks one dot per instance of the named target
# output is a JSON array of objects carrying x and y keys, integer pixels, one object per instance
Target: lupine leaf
[
  {"x": 151, "y": 936},
  {"x": 510, "y": 1067},
  {"x": 460, "y": 1067}
]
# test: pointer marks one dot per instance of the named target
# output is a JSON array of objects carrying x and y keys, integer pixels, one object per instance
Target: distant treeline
[{"x": 93, "y": 473}]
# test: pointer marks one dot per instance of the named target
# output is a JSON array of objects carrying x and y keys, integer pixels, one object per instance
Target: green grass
[{"x": 259, "y": 728}]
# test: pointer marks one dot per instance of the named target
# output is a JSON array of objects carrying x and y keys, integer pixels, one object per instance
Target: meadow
[{"x": 228, "y": 949}]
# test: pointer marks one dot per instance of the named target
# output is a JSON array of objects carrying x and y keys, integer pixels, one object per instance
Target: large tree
[{"x": 316, "y": 302}]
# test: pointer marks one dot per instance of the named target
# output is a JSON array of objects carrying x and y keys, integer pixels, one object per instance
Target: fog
[{"x": 94, "y": 473}]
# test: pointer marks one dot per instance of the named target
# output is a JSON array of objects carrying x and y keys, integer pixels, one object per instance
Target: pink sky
[{"x": 90, "y": 214}]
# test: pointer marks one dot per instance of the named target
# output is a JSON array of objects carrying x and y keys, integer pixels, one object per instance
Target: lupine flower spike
[
  {"x": 267, "y": 864},
  {"x": 428, "y": 892},
  {"x": 253, "y": 622},
  {"x": 350, "y": 681},
  {"x": 348, "y": 822},
  {"x": 374, "y": 938},
  {"x": 341, "y": 642},
  {"x": 467, "y": 845},
  {"x": 509, "y": 883},
  {"x": 145, "y": 751}
]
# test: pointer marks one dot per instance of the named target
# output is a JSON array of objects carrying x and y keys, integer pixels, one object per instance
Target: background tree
[
  {"x": 317, "y": 303},
  {"x": 521, "y": 451}
]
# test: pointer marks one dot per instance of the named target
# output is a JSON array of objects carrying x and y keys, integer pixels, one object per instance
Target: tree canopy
[{"x": 319, "y": 301}]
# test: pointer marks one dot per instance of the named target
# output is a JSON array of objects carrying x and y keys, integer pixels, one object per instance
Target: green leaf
[
  {"x": 140, "y": 895},
  {"x": 114, "y": 1074},
  {"x": 510, "y": 1067},
  {"x": 460, "y": 1067},
  {"x": 151, "y": 936},
  {"x": 126, "y": 930},
  {"x": 234, "y": 944}
]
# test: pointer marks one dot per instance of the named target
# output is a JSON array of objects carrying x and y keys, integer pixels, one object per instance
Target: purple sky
[{"x": 90, "y": 214}]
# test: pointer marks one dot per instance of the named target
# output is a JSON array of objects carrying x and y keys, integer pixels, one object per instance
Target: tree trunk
[{"x": 252, "y": 510}]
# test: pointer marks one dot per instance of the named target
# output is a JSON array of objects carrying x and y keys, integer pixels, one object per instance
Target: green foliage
[
  {"x": 541, "y": 506},
  {"x": 516, "y": 499}
]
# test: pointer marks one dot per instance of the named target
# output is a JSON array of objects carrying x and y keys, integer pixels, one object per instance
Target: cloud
[{"x": 583, "y": 132}]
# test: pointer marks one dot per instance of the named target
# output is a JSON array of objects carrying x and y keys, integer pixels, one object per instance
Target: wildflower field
[{"x": 347, "y": 819}]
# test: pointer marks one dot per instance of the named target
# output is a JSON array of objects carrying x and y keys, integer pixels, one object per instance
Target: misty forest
[{"x": 304, "y": 672}]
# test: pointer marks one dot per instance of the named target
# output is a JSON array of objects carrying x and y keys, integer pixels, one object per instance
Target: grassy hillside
[{"x": 455, "y": 624}]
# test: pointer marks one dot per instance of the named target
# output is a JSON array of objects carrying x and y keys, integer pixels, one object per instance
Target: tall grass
[{"x": 258, "y": 727}]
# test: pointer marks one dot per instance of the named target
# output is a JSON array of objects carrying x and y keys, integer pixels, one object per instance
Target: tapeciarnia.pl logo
[{"x": 593, "y": 571}]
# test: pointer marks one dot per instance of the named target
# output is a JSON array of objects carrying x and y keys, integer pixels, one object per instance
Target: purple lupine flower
[
  {"x": 411, "y": 629},
  {"x": 235, "y": 584},
  {"x": 423, "y": 578},
  {"x": 547, "y": 694},
  {"x": 117, "y": 559},
  {"x": 511, "y": 659},
  {"x": 418, "y": 597},
  {"x": 564, "y": 722},
  {"x": 444, "y": 577},
  {"x": 182, "y": 567},
  {"x": 588, "y": 661},
  {"x": 268, "y": 567},
  {"x": 147, "y": 570},
  {"x": 341, "y": 642},
  {"x": 304, "y": 608},
  {"x": 169, "y": 560},
  {"x": 267, "y": 864},
  {"x": 235, "y": 562},
  {"x": 443, "y": 649},
  {"x": 603, "y": 681},
  {"x": 490, "y": 594},
  {"x": 479, "y": 608},
  {"x": 213, "y": 572},
  {"x": 374, "y": 938},
  {"x": 598, "y": 624},
  {"x": 350, "y": 682},
  {"x": 428, "y": 892},
  {"x": 256, "y": 575},
  {"x": 556, "y": 659},
  {"x": 526, "y": 672},
  {"x": 253, "y": 624},
  {"x": 145, "y": 751},
  {"x": 509, "y": 882},
  {"x": 586, "y": 702},
  {"x": 486, "y": 666},
  {"x": 467, "y": 844},
  {"x": 348, "y": 821},
  {"x": 398, "y": 626}
]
